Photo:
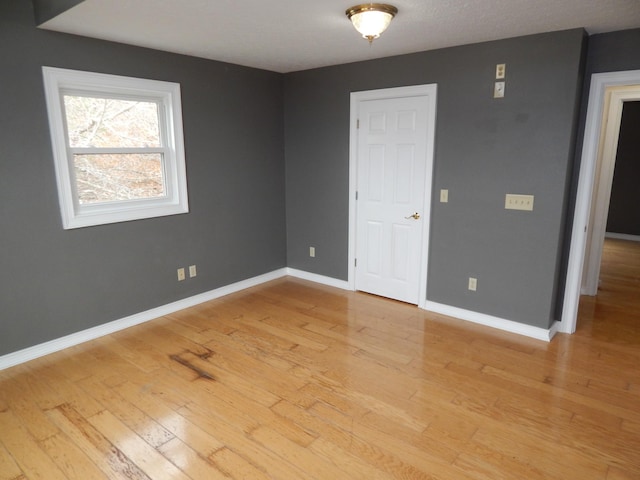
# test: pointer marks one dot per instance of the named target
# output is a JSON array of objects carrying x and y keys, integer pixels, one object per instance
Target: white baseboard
[
  {"x": 494, "y": 322},
  {"x": 313, "y": 277},
  {"x": 455, "y": 312},
  {"x": 36, "y": 351},
  {"x": 77, "y": 338},
  {"x": 622, "y": 236}
]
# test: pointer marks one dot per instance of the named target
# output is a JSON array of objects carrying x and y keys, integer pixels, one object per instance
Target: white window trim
[{"x": 167, "y": 95}]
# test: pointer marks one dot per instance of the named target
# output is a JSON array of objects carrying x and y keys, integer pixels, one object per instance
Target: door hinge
[
  {"x": 356, "y": 194},
  {"x": 355, "y": 262},
  {"x": 358, "y": 123}
]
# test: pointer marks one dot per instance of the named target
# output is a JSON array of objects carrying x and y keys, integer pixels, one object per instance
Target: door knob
[{"x": 415, "y": 216}]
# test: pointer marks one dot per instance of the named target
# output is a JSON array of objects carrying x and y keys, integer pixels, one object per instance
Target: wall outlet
[
  {"x": 501, "y": 70},
  {"x": 312, "y": 251},
  {"x": 473, "y": 284},
  {"x": 498, "y": 90},
  {"x": 192, "y": 271},
  {"x": 181, "y": 275}
]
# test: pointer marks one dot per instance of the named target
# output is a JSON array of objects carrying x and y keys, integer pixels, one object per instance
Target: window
[{"x": 117, "y": 145}]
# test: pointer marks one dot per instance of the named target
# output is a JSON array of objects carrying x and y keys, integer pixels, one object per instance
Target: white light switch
[
  {"x": 518, "y": 202},
  {"x": 444, "y": 195}
]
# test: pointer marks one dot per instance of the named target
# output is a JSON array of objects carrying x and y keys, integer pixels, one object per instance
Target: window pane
[
  {"x": 114, "y": 177},
  {"x": 108, "y": 122}
]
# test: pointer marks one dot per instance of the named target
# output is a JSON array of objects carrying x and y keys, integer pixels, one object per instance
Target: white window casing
[{"x": 166, "y": 95}]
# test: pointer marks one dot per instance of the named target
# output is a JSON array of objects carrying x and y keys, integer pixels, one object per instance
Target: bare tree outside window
[{"x": 108, "y": 138}]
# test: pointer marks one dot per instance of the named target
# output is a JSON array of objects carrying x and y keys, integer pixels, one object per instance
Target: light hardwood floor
[{"x": 292, "y": 380}]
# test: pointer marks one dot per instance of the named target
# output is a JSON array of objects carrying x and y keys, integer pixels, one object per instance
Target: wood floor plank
[
  {"x": 147, "y": 458},
  {"x": 242, "y": 444},
  {"x": 372, "y": 401},
  {"x": 397, "y": 352},
  {"x": 129, "y": 414},
  {"x": 291, "y": 333},
  {"x": 351, "y": 465},
  {"x": 188, "y": 460},
  {"x": 315, "y": 466},
  {"x": 23, "y": 404},
  {"x": 25, "y": 451},
  {"x": 546, "y": 393},
  {"x": 235, "y": 407},
  {"x": 57, "y": 380},
  {"x": 531, "y": 455},
  {"x": 241, "y": 363},
  {"x": 615, "y": 473},
  {"x": 189, "y": 433},
  {"x": 631, "y": 427},
  {"x": 235, "y": 466},
  {"x": 9, "y": 469},
  {"x": 367, "y": 451},
  {"x": 613, "y": 448},
  {"x": 426, "y": 456},
  {"x": 244, "y": 385},
  {"x": 107, "y": 457},
  {"x": 71, "y": 459}
]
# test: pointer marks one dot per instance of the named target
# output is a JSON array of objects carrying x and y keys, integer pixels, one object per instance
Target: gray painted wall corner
[
  {"x": 64, "y": 281},
  {"x": 485, "y": 148},
  {"x": 45, "y": 10}
]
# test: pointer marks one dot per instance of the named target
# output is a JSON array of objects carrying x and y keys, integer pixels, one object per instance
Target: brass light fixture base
[
  {"x": 372, "y": 7},
  {"x": 371, "y": 19}
]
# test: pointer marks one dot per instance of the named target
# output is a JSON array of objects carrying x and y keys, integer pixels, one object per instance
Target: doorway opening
[{"x": 608, "y": 93}]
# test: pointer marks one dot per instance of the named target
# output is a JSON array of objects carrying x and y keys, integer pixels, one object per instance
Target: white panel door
[{"x": 391, "y": 180}]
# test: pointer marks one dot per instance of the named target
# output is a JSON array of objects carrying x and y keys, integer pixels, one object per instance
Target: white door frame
[
  {"x": 615, "y": 97},
  {"x": 430, "y": 92},
  {"x": 594, "y": 177}
]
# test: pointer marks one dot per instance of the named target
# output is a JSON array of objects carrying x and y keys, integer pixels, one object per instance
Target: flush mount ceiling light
[{"x": 371, "y": 19}]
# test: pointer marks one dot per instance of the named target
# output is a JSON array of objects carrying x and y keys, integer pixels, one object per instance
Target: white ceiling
[{"x": 290, "y": 35}]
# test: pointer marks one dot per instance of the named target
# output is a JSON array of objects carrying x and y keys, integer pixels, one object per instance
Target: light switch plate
[
  {"x": 498, "y": 90},
  {"x": 444, "y": 196},
  {"x": 514, "y": 201}
]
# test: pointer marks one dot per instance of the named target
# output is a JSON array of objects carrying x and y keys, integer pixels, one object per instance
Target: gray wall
[
  {"x": 624, "y": 206},
  {"x": 485, "y": 148},
  {"x": 613, "y": 52},
  {"x": 54, "y": 282}
]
